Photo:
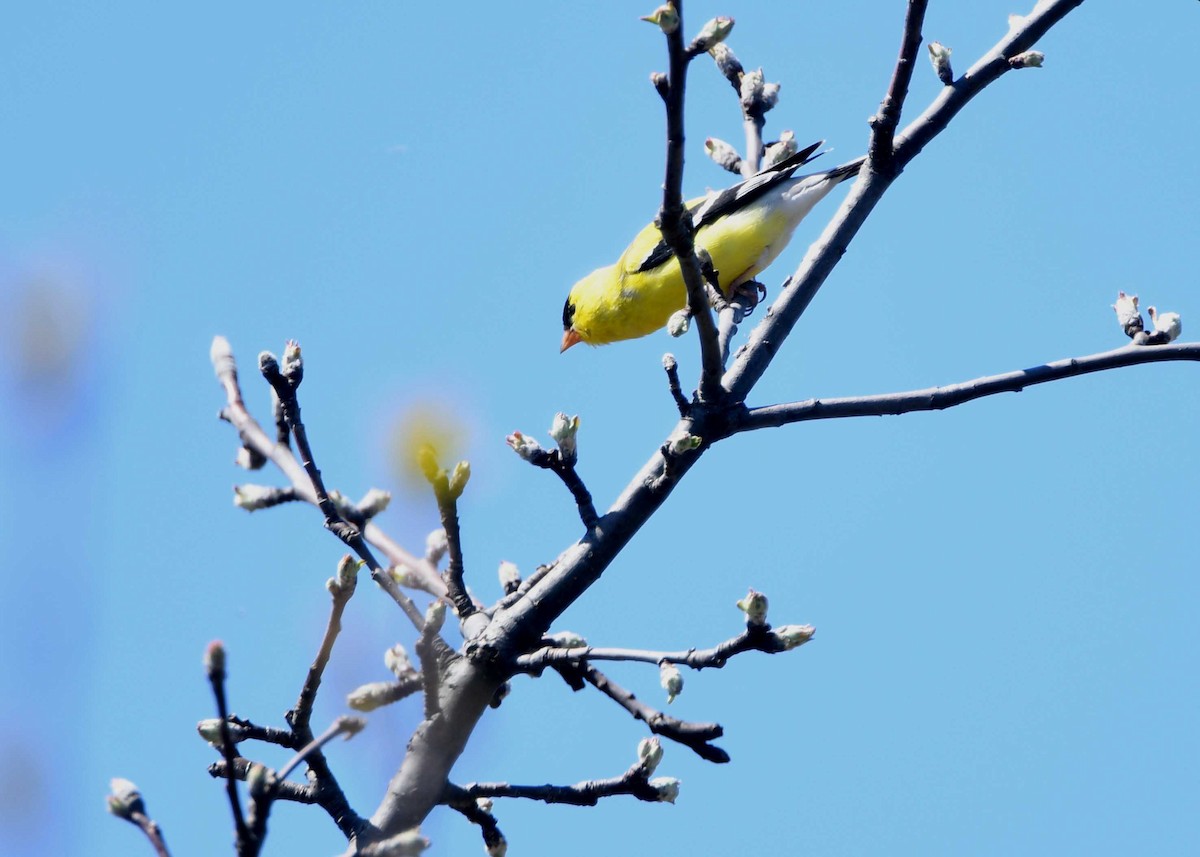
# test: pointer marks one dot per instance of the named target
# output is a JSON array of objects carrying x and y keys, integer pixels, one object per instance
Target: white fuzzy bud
[
  {"x": 650, "y": 753},
  {"x": 684, "y": 443},
  {"x": 1128, "y": 316},
  {"x": 1168, "y": 324},
  {"x": 679, "y": 322},
  {"x": 1028, "y": 59},
  {"x": 667, "y": 788},
  {"x": 754, "y": 605},
  {"x": 374, "y": 502},
  {"x": 253, "y": 497},
  {"x": 510, "y": 576},
  {"x": 523, "y": 445},
  {"x": 724, "y": 154},
  {"x": 124, "y": 799},
  {"x": 939, "y": 58},
  {"x": 372, "y": 695},
  {"x": 671, "y": 680},
  {"x": 210, "y": 731},
  {"x": 791, "y": 636},
  {"x": 563, "y": 431},
  {"x": 396, "y": 660},
  {"x": 712, "y": 34},
  {"x": 566, "y": 640},
  {"x": 436, "y": 545}
]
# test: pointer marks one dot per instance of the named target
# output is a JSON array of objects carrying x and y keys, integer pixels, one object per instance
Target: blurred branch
[
  {"x": 125, "y": 801},
  {"x": 253, "y": 438},
  {"x": 939, "y": 398}
]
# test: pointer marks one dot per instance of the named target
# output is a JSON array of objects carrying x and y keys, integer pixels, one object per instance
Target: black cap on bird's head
[{"x": 570, "y": 334}]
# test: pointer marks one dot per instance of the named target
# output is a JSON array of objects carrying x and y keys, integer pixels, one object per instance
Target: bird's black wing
[{"x": 732, "y": 198}]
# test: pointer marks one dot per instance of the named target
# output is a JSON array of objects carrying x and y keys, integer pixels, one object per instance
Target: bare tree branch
[
  {"x": 694, "y": 736},
  {"x": 125, "y": 801},
  {"x": 672, "y": 221},
  {"x": 261, "y": 445},
  {"x": 756, "y": 638},
  {"x": 284, "y": 789},
  {"x": 767, "y": 337},
  {"x": 939, "y": 398},
  {"x": 884, "y": 123},
  {"x": 635, "y": 782}
]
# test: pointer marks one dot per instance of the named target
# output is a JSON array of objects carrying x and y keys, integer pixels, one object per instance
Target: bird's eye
[{"x": 568, "y": 314}]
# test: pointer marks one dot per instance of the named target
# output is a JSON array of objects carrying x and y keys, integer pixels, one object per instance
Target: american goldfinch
[{"x": 741, "y": 229}]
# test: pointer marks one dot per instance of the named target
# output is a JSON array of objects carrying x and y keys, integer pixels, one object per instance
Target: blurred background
[{"x": 1005, "y": 593}]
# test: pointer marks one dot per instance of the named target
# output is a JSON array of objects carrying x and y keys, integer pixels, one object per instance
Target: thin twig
[
  {"x": 447, "y": 503},
  {"x": 285, "y": 383},
  {"x": 493, "y": 839},
  {"x": 756, "y": 638},
  {"x": 254, "y": 439},
  {"x": 884, "y": 123},
  {"x": 939, "y": 398},
  {"x": 671, "y": 367},
  {"x": 125, "y": 801},
  {"x": 153, "y": 833},
  {"x": 676, "y": 228},
  {"x": 587, "y": 793},
  {"x": 694, "y": 736},
  {"x": 284, "y": 790},
  {"x": 348, "y": 726},
  {"x": 554, "y": 461},
  {"x": 341, "y": 589},
  {"x": 215, "y": 667},
  {"x": 250, "y": 731},
  {"x": 767, "y": 337}
]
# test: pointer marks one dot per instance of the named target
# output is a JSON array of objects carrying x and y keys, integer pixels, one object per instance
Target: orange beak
[{"x": 570, "y": 337}]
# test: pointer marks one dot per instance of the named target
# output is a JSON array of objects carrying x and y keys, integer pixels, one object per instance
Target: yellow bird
[{"x": 742, "y": 229}]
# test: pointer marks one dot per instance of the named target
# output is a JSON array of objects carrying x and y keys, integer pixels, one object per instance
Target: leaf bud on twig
[
  {"x": 725, "y": 155},
  {"x": 679, "y": 322},
  {"x": 671, "y": 680},
  {"x": 711, "y": 34},
  {"x": 566, "y": 640},
  {"x": 510, "y": 577},
  {"x": 293, "y": 363},
  {"x": 1167, "y": 325},
  {"x": 1127, "y": 314},
  {"x": 754, "y": 605},
  {"x": 791, "y": 636},
  {"x": 727, "y": 63},
  {"x": 459, "y": 476},
  {"x": 1028, "y": 59},
  {"x": 667, "y": 788},
  {"x": 372, "y": 695},
  {"x": 665, "y": 17},
  {"x": 650, "y": 753},
  {"x": 396, "y": 660},
  {"x": 214, "y": 658},
  {"x": 563, "y": 430},
  {"x": 523, "y": 445},
  {"x": 939, "y": 58}
]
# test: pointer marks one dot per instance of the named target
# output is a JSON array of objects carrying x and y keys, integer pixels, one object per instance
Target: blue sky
[{"x": 1004, "y": 593}]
